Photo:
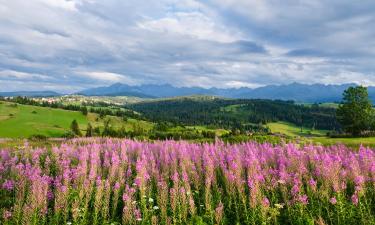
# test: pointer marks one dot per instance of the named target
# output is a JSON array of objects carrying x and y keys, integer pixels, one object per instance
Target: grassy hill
[{"x": 22, "y": 121}]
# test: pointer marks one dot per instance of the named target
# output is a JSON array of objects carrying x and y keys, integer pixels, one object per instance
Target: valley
[{"x": 196, "y": 118}]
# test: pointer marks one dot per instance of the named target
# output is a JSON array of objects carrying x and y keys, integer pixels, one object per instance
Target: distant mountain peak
[
  {"x": 293, "y": 91},
  {"x": 30, "y": 94}
]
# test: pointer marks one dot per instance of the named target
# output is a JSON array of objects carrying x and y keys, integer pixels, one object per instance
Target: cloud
[
  {"x": 63, "y": 4},
  {"x": 16, "y": 75},
  {"x": 75, "y": 44},
  {"x": 195, "y": 25},
  {"x": 109, "y": 77}
]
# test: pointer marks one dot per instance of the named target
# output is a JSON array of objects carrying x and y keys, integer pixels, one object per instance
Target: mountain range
[
  {"x": 308, "y": 93},
  {"x": 30, "y": 94},
  {"x": 295, "y": 91}
]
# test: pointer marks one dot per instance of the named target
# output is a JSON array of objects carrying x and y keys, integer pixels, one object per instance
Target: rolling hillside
[
  {"x": 22, "y": 121},
  {"x": 236, "y": 113}
]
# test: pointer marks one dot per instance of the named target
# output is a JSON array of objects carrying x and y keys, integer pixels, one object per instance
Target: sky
[{"x": 70, "y": 45}]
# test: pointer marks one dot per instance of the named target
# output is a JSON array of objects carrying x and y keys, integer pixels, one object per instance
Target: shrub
[
  {"x": 69, "y": 134},
  {"x": 38, "y": 137}
]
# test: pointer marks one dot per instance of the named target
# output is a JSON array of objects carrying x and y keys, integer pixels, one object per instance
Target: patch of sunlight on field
[
  {"x": 292, "y": 130},
  {"x": 350, "y": 142},
  {"x": 24, "y": 121}
]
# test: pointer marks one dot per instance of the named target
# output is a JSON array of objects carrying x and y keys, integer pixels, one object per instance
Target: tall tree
[
  {"x": 107, "y": 131},
  {"x": 89, "y": 130},
  {"x": 75, "y": 128},
  {"x": 355, "y": 113},
  {"x": 84, "y": 110}
]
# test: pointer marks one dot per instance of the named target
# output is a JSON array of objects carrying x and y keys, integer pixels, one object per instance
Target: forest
[{"x": 235, "y": 113}]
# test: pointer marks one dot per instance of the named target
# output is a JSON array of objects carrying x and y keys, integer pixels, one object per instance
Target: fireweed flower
[
  {"x": 7, "y": 215},
  {"x": 265, "y": 202},
  {"x": 116, "y": 186},
  {"x": 219, "y": 213},
  {"x": 184, "y": 179},
  {"x": 354, "y": 199},
  {"x": 312, "y": 184},
  {"x": 137, "y": 215},
  {"x": 303, "y": 199},
  {"x": 333, "y": 200},
  {"x": 8, "y": 185}
]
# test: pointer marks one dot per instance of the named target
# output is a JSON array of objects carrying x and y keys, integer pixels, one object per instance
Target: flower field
[{"x": 111, "y": 181}]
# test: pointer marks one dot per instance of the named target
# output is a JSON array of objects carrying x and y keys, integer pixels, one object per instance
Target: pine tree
[
  {"x": 89, "y": 130},
  {"x": 84, "y": 110},
  {"x": 75, "y": 128}
]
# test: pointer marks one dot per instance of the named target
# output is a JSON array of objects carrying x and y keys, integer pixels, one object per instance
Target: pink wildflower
[
  {"x": 354, "y": 199},
  {"x": 7, "y": 215},
  {"x": 303, "y": 199},
  {"x": 266, "y": 202},
  {"x": 8, "y": 185},
  {"x": 333, "y": 201}
]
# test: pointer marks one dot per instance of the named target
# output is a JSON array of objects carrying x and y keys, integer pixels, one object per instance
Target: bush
[
  {"x": 38, "y": 137},
  {"x": 69, "y": 135}
]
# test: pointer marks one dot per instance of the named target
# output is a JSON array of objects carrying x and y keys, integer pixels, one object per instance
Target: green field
[
  {"x": 350, "y": 142},
  {"x": 293, "y": 131},
  {"x": 22, "y": 121},
  {"x": 219, "y": 132},
  {"x": 117, "y": 122},
  {"x": 318, "y": 136}
]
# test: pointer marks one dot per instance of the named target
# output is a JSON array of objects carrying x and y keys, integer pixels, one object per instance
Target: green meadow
[
  {"x": 292, "y": 130},
  {"x": 353, "y": 142},
  {"x": 318, "y": 136},
  {"x": 22, "y": 121}
]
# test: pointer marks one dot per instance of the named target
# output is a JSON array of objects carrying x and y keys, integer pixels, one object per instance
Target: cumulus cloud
[
  {"x": 108, "y": 77},
  {"x": 68, "y": 45}
]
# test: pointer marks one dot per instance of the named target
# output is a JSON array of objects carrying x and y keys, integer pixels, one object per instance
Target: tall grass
[{"x": 109, "y": 181}]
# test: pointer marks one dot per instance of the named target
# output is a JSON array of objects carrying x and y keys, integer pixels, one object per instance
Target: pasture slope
[
  {"x": 318, "y": 136},
  {"x": 21, "y": 121},
  {"x": 292, "y": 130}
]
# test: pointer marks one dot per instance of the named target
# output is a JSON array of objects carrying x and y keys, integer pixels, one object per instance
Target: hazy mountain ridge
[
  {"x": 298, "y": 92},
  {"x": 295, "y": 91},
  {"x": 30, "y": 94}
]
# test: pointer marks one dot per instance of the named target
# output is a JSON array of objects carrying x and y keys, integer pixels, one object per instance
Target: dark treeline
[
  {"x": 216, "y": 113},
  {"x": 159, "y": 132},
  {"x": 101, "y": 108},
  {"x": 166, "y": 131}
]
